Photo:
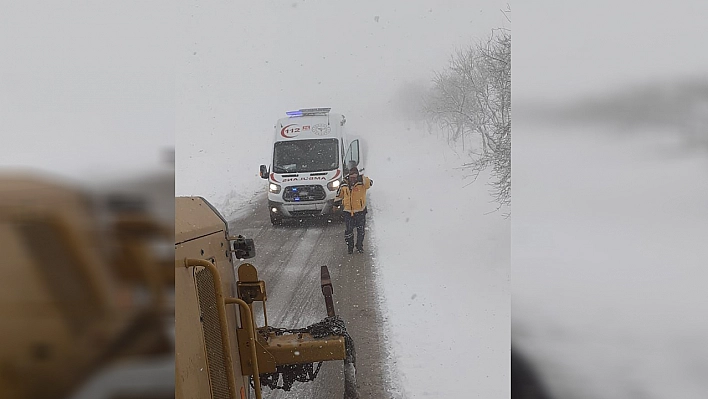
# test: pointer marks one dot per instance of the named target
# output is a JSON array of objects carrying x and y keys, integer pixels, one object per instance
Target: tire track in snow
[{"x": 288, "y": 259}]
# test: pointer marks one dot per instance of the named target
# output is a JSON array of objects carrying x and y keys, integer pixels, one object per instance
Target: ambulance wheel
[{"x": 276, "y": 221}]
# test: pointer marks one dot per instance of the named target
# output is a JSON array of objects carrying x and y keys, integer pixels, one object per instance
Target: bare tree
[{"x": 472, "y": 98}]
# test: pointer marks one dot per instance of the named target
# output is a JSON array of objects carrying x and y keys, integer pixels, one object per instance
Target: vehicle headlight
[
  {"x": 333, "y": 185},
  {"x": 274, "y": 188}
]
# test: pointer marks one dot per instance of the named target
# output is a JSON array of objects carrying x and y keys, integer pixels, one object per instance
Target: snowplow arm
[{"x": 279, "y": 347}]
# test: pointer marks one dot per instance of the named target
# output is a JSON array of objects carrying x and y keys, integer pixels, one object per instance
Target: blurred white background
[{"x": 610, "y": 186}]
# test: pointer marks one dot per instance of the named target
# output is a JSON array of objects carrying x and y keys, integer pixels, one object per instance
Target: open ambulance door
[{"x": 354, "y": 156}]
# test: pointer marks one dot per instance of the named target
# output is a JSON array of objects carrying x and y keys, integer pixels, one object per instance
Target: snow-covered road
[{"x": 288, "y": 259}]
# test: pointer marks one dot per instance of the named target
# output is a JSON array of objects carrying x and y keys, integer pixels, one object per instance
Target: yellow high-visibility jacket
[{"x": 354, "y": 198}]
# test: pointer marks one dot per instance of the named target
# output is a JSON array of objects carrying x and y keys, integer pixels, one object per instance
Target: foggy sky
[
  {"x": 241, "y": 67},
  {"x": 86, "y": 88},
  {"x": 566, "y": 50}
]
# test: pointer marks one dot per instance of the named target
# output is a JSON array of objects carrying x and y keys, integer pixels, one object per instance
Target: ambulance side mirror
[{"x": 264, "y": 172}]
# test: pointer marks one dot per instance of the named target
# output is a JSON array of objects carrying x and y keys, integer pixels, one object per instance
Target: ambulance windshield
[{"x": 299, "y": 156}]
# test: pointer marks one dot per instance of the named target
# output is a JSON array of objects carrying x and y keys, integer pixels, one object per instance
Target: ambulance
[{"x": 312, "y": 153}]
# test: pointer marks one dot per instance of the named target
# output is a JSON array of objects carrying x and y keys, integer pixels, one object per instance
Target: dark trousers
[{"x": 358, "y": 221}]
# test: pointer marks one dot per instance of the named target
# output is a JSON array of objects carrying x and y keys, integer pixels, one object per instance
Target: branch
[{"x": 508, "y": 9}]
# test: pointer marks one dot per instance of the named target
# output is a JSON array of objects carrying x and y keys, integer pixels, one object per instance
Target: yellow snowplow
[
  {"x": 81, "y": 288},
  {"x": 220, "y": 352}
]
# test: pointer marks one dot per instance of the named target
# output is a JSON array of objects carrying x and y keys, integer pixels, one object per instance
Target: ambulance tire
[{"x": 276, "y": 221}]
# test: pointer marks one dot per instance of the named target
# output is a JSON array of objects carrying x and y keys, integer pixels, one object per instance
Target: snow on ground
[
  {"x": 443, "y": 255},
  {"x": 609, "y": 255},
  {"x": 443, "y": 260},
  {"x": 443, "y": 263}
]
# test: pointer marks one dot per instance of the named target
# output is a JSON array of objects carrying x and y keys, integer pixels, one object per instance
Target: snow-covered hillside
[{"x": 444, "y": 256}]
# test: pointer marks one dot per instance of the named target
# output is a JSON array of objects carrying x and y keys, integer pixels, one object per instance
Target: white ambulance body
[{"x": 311, "y": 155}]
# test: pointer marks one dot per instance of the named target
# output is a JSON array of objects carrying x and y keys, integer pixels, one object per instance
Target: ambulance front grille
[{"x": 304, "y": 193}]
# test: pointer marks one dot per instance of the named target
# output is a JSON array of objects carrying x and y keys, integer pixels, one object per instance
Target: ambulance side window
[{"x": 352, "y": 157}]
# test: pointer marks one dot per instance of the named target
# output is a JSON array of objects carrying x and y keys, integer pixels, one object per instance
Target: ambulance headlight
[
  {"x": 274, "y": 188},
  {"x": 333, "y": 185}
]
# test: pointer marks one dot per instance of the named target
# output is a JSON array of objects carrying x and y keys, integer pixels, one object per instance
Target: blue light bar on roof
[{"x": 294, "y": 113}]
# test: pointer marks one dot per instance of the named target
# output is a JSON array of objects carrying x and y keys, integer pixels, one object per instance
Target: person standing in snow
[{"x": 353, "y": 196}]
